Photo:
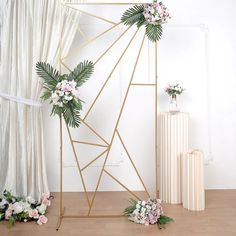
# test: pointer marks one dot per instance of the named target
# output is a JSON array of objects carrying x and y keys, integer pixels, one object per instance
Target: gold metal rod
[
  {"x": 94, "y": 131},
  {"x": 94, "y": 160},
  {"x": 59, "y": 221},
  {"x": 93, "y": 216},
  {"x": 65, "y": 66},
  {"x": 93, "y": 15},
  {"x": 61, "y": 140},
  {"x": 135, "y": 84},
  {"x": 78, "y": 165},
  {"x": 61, "y": 156},
  {"x": 74, "y": 22},
  {"x": 136, "y": 170},
  {"x": 156, "y": 151},
  {"x": 108, "y": 78},
  {"x": 76, "y": 50},
  {"x": 108, "y": 3},
  {"x": 121, "y": 184},
  {"x": 88, "y": 143},
  {"x": 104, "y": 53},
  {"x": 120, "y": 113}
]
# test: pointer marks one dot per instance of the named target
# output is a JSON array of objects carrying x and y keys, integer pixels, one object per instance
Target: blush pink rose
[
  {"x": 34, "y": 214},
  {"x": 67, "y": 88},
  {"x": 42, "y": 220},
  {"x": 46, "y": 202},
  {"x": 45, "y": 196},
  {"x": 8, "y": 214}
]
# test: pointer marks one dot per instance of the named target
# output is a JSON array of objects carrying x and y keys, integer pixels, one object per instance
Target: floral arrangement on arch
[
  {"x": 63, "y": 90},
  {"x": 148, "y": 212},
  {"x": 22, "y": 209},
  {"x": 151, "y": 15}
]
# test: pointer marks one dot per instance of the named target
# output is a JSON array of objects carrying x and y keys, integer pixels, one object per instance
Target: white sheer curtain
[{"x": 30, "y": 32}]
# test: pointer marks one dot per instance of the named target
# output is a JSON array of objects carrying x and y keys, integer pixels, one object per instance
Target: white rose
[
  {"x": 18, "y": 207},
  {"x": 41, "y": 209},
  {"x": 143, "y": 203},
  {"x": 68, "y": 98},
  {"x": 30, "y": 200},
  {"x": 26, "y": 207}
]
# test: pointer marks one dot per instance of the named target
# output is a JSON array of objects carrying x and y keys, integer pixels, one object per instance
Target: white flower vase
[{"x": 173, "y": 105}]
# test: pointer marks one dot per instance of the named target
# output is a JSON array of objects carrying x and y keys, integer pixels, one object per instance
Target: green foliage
[
  {"x": 153, "y": 32},
  {"x": 11, "y": 222},
  {"x": 163, "y": 220},
  {"x": 82, "y": 72},
  {"x": 71, "y": 115},
  {"x": 2, "y": 214},
  {"x": 51, "y": 77},
  {"x": 134, "y": 15},
  {"x": 129, "y": 210}
]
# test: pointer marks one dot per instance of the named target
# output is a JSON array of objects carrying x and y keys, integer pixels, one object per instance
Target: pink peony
[
  {"x": 8, "y": 214},
  {"x": 42, "y": 220},
  {"x": 34, "y": 214}
]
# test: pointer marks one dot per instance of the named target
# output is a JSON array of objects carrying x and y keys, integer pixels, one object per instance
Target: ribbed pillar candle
[
  {"x": 174, "y": 134},
  {"x": 193, "y": 193}
]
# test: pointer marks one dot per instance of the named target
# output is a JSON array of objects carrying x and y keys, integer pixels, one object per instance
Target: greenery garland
[
  {"x": 151, "y": 15},
  {"x": 63, "y": 90}
]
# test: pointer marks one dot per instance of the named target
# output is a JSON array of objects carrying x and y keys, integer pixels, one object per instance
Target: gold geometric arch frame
[{"x": 104, "y": 143}]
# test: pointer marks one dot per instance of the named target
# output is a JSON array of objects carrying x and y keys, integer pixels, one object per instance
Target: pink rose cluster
[
  {"x": 65, "y": 91},
  {"x": 147, "y": 212},
  {"x": 156, "y": 13}
]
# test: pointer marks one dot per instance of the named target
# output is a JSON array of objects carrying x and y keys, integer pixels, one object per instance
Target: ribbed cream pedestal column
[
  {"x": 173, "y": 142},
  {"x": 193, "y": 193}
]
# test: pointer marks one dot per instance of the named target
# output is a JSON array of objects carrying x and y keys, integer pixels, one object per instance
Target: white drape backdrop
[{"x": 30, "y": 32}]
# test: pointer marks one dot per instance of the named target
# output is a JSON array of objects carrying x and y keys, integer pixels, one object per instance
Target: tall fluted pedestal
[
  {"x": 193, "y": 193},
  {"x": 173, "y": 142}
]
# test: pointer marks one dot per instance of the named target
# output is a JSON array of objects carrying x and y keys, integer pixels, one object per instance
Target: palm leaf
[
  {"x": 48, "y": 73},
  {"x": 71, "y": 115},
  {"x": 82, "y": 72},
  {"x": 154, "y": 32},
  {"x": 46, "y": 94},
  {"x": 163, "y": 220},
  {"x": 133, "y": 15}
]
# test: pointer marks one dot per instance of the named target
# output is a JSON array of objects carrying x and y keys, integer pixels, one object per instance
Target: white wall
[{"x": 197, "y": 50}]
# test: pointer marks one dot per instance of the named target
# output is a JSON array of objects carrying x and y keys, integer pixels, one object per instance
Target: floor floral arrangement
[
  {"x": 148, "y": 212},
  {"x": 22, "y": 209}
]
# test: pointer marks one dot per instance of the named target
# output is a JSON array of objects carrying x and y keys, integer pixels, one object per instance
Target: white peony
[{"x": 18, "y": 207}]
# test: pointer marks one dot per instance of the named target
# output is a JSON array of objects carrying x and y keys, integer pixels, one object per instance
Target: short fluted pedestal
[
  {"x": 173, "y": 142},
  {"x": 193, "y": 193}
]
